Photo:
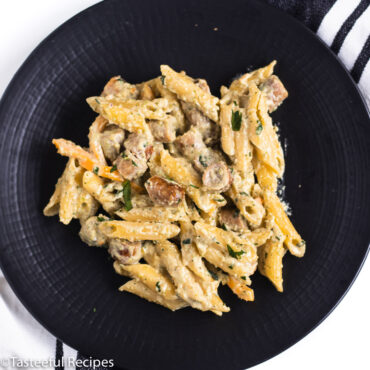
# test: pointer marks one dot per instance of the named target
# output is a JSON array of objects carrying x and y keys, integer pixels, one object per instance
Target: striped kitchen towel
[{"x": 344, "y": 25}]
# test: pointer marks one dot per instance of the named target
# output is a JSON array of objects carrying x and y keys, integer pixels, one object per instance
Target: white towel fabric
[{"x": 344, "y": 25}]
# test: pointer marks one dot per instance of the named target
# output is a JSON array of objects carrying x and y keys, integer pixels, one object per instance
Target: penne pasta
[
  {"x": 188, "y": 187},
  {"x": 138, "y": 230}
]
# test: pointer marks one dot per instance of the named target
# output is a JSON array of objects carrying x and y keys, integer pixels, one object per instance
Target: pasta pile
[{"x": 187, "y": 183}]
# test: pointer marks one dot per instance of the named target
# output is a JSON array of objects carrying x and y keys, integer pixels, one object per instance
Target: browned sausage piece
[
  {"x": 164, "y": 131},
  {"x": 125, "y": 252},
  {"x": 133, "y": 162},
  {"x": 163, "y": 192},
  {"x": 137, "y": 144},
  {"x": 111, "y": 140},
  {"x": 231, "y": 219},
  {"x": 208, "y": 129},
  {"x": 275, "y": 92},
  {"x": 191, "y": 144},
  {"x": 217, "y": 177},
  {"x": 130, "y": 169}
]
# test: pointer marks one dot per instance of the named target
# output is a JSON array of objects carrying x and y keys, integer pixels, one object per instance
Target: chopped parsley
[
  {"x": 234, "y": 254},
  {"x": 100, "y": 219},
  {"x": 301, "y": 244},
  {"x": 123, "y": 155},
  {"x": 126, "y": 190},
  {"x": 158, "y": 286},
  {"x": 236, "y": 120},
  {"x": 94, "y": 309},
  {"x": 219, "y": 200},
  {"x": 114, "y": 168},
  {"x": 203, "y": 161},
  {"x": 96, "y": 170},
  {"x": 133, "y": 163},
  {"x": 186, "y": 241},
  {"x": 193, "y": 186},
  {"x": 234, "y": 102},
  {"x": 244, "y": 193},
  {"x": 259, "y": 127},
  {"x": 277, "y": 237},
  {"x": 162, "y": 79},
  {"x": 231, "y": 267},
  {"x": 97, "y": 101},
  {"x": 244, "y": 278},
  {"x": 223, "y": 226}
]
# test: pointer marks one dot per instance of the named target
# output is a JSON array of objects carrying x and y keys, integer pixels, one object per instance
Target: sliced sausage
[
  {"x": 130, "y": 167},
  {"x": 137, "y": 145},
  {"x": 275, "y": 92},
  {"x": 232, "y": 220},
  {"x": 217, "y": 177},
  {"x": 125, "y": 252},
  {"x": 132, "y": 163},
  {"x": 90, "y": 233},
  {"x": 111, "y": 141},
  {"x": 164, "y": 131},
  {"x": 191, "y": 145},
  {"x": 164, "y": 192},
  {"x": 209, "y": 130}
]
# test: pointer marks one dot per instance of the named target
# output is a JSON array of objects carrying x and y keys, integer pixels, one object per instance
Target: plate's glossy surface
[{"x": 324, "y": 121}]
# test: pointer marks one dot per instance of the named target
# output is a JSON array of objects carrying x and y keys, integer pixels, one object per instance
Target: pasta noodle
[{"x": 187, "y": 184}]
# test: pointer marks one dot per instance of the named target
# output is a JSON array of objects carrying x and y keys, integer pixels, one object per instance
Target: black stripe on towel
[
  {"x": 310, "y": 12},
  {"x": 347, "y": 25},
  {"x": 59, "y": 355},
  {"x": 361, "y": 61}
]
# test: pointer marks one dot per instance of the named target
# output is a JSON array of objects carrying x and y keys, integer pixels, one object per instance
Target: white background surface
[{"x": 341, "y": 342}]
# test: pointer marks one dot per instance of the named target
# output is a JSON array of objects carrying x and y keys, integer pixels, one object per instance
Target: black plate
[{"x": 324, "y": 121}]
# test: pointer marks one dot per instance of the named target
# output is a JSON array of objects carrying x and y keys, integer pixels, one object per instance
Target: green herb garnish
[
  {"x": 97, "y": 101},
  {"x": 231, "y": 267},
  {"x": 259, "y": 127},
  {"x": 203, "y": 161},
  {"x": 126, "y": 190},
  {"x": 234, "y": 254},
  {"x": 158, "y": 286},
  {"x": 100, "y": 219},
  {"x": 96, "y": 170},
  {"x": 186, "y": 241},
  {"x": 114, "y": 168},
  {"x": 193, "y": 186},
  {"x": 219, "y": 200},
  {"x": 133, "y": 163},
  {"x": 94, "y": 309},
  {"x": 243, "y": 193},
  {"x": 301, "y": 244},
  {"x": 244, "y": 278},
  {"x": 162, "y": 79},
  {"x": 223, "y": 226},
  {"x": 236, "y": 120}
]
